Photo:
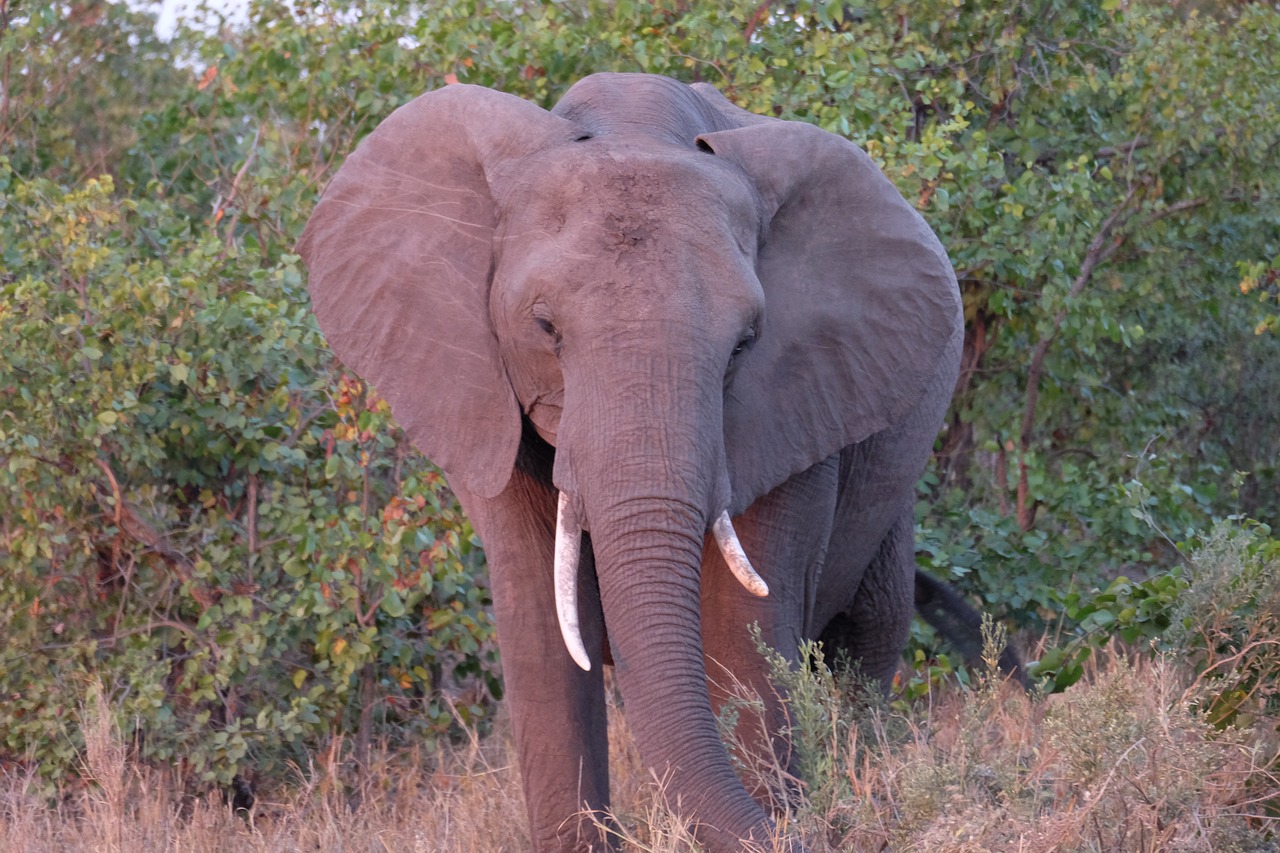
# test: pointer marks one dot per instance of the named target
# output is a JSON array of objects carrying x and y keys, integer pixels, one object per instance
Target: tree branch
[
  {"x": 117, "y": 636},
  {"x": 130, "y": 525},
  {"x": 1100, "y": 248},
  {"x": 221, "y": 206},
  {"x": 1174, "y": 209},
  {"x": 757, "y": 18},
  {"x": 115, "y": 491},
  {"x": 253, "y": 516},
  {"x": 1125, "y": 148},
  {"x": 1104, "y": 244},
  {"x": 5, "y": 96}
]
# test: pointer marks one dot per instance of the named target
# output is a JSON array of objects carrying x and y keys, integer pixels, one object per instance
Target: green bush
[
  {"x": 1227, "y": 622},
  {"x": 1220, "y": 612},
  {"x": 191, "y": 515}
]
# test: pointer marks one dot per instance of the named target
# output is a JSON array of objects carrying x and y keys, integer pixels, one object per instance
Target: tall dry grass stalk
[
  {"x": 1121, "y": 763},
  {"x": 106, "y": 774}
]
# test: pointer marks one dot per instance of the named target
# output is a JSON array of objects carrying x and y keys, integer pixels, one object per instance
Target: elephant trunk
[
  {"x": 641, "y": 458},
  {"x": 648, "y": 556}
]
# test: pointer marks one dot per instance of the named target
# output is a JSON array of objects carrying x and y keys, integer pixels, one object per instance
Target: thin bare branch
[
  {"x": 1099, "y": 249},
  {"x": 115, "y": 491},
  {"x": 253, "y": 514}
]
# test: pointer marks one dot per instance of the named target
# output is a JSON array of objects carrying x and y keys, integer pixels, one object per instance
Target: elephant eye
[
  {"x": 548, "y": 327},
  {"x": 744, "y": 343}
]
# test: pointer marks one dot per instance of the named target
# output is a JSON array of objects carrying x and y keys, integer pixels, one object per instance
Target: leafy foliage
[
  {"x": 1220, "y": 612},
  {"x": 251, "y": 561},
  {"x": 200, "y": 509}
]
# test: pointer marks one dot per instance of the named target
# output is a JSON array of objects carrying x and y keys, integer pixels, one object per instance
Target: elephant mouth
[
  {"x": 544, "y": 413},
  {"x": 568, "y": 553}
]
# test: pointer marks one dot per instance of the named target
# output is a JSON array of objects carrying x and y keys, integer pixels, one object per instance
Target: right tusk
[
  {"x": 568, "y": 552},
  {"x": 731, "y": 548}
]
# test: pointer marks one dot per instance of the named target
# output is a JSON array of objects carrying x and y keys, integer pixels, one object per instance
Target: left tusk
[
  {"x": 568, "y": 553},
  {"x": 731, "y": 548}
]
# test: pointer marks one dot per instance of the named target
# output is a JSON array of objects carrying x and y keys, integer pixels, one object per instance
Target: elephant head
[{"x": 688, "y": 302}]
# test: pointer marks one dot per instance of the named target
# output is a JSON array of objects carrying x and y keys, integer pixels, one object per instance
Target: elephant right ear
[
  {"x": 862, "y": 315},
  {"x": 400, "y": 253}
]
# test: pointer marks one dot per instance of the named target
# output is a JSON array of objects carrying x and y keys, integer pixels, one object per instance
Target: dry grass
[
  {"x": 465, "y": 800},
  {"x": 1118, "y": 763}
]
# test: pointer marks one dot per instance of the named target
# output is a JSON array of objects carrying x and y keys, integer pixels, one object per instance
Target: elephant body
[{"x": 612, "y": 324}]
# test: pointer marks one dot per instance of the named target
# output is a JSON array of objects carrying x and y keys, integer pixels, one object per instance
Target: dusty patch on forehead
[
  {"x": 627, "y": 233},
  {"x": 630, "y": 216}
]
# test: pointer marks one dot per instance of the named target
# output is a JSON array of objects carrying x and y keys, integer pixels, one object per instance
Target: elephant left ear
[{"x": 862, "y": 310}]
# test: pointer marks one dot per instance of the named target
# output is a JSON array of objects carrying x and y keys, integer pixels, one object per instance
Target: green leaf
[{"x": 393, "y": 604}]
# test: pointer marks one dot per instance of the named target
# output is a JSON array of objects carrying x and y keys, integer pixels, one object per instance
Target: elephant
[{"x": 683, "y": 366}]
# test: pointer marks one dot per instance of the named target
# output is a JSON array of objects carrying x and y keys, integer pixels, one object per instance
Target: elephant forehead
[
  {"x": 628, "y": 190},
  {"x": 630, "y": 252}
]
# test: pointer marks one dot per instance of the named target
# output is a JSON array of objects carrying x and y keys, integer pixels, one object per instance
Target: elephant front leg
[
  {"x": 785, "y": 534},
  {"x": 557, "y": 711}
]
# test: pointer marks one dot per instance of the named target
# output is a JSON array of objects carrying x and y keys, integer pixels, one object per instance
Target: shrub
[
  {"x": 1220, "y": 611},
  {"x": 251, "y": 566}
]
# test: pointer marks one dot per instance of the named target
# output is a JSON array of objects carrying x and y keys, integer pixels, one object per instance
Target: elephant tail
[{"x": 961, "y": 625}]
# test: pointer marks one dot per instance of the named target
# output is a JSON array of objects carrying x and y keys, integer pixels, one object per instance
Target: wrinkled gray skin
[{"x": 664, "y": 307}]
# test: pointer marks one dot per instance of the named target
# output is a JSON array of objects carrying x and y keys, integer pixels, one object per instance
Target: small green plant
[
  {"x": 1096, "y": 732},
  {"x": 1136, "y": 612},
  {"x": 1227, "y": 623},
  {"x": 841, "y": 724},
  {"x": 924, "y": 676},
  {"x": 1220, "y": 611}
]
